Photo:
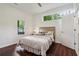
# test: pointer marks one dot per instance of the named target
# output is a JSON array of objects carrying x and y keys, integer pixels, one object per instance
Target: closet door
[
  {"x": 76, "y": 41},
  {"x": 68, "y": 31}
]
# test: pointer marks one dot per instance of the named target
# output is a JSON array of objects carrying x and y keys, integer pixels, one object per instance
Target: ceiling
[{"x": 34, "y": 8}]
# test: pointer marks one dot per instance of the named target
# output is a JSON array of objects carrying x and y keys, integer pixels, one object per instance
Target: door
[
  {"x": 68, "y": 31},
  {"x": 76, "y": 44}
]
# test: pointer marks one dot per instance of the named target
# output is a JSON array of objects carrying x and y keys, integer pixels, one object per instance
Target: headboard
[{"x": 46, "y": 29}]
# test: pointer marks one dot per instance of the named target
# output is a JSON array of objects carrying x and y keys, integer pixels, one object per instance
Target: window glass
[{"x": 20, "y": 24}]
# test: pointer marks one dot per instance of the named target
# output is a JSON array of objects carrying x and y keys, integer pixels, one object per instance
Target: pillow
[
  {"x": 49, "y": 33},
  {"x": 40, "y": 33}
]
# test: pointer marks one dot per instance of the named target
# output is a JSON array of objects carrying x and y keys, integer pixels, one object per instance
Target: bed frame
[{"x": 40, "y": 52}]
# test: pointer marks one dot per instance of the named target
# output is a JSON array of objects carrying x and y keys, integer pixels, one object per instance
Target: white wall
[
  {"x": 8, "y": 24},
  {"x": 57, "y": 23}
]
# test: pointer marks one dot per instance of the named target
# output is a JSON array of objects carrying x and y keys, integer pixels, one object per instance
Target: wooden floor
[
  {"x": 55, "y": 49},
  {"x": 8, "y": 51}
]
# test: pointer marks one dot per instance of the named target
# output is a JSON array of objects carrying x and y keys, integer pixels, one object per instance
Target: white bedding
[{"x": 40, "y": 42}]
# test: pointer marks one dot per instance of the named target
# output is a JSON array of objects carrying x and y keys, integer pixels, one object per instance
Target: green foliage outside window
[
  {"x": 49, "y": 17},
  {"x": 52, "y": 17},
  {"x": 20, "y": 26}
]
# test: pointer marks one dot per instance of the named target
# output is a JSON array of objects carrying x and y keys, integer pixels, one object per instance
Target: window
[
  {"x": 52, "y": 17},
  {"x": 20, "y": 25},
  {"x": 67, "y": 12},
  {"x": 46, "y": 18}
]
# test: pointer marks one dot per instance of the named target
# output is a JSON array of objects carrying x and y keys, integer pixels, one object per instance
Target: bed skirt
[{"x": 33, "y": 50}]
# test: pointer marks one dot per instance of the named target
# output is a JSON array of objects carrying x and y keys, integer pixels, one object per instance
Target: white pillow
[{"x": 49, "y": 33}]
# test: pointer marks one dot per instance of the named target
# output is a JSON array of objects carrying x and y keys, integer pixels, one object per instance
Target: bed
[{"x": 39, "y": 43}]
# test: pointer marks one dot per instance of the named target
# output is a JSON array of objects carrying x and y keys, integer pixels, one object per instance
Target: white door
[
  {"x": 76, "y": 33},
  {"x": 68, "y": 31}
]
